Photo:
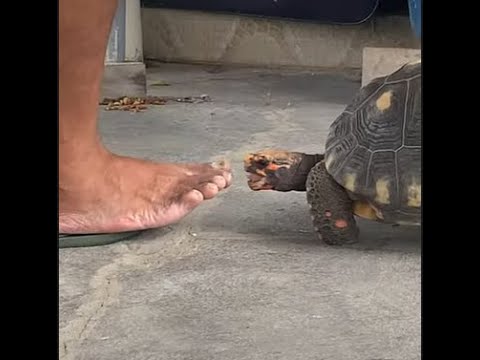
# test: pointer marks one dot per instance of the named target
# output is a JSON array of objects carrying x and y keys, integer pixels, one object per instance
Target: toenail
[
  {"x": 197, "y": 194},
  {"x": 220, "y": 181},
  {"x": 212, "y": 186}
]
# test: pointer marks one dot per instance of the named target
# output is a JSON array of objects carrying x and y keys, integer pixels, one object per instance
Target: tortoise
[{"x": 371, "y": 166}]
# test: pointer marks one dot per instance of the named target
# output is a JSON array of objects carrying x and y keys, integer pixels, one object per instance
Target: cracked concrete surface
[{"x": 242, "y": 277}]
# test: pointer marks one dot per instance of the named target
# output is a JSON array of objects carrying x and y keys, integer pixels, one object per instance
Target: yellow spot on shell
[
  {"x": 364, "y": 210},
  {"x": 414, "y": 194},
  {"x": 383, "y": 194},
  {"x": 350, "y": 182},
  {"x": 329, "y": 161},
  {"x": 384, "y": 101}
]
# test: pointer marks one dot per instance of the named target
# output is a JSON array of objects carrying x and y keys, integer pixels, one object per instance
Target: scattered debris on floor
[{"x": 137, "y": 104}]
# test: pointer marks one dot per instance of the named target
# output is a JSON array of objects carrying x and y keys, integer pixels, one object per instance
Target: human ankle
[{"x": 77, "y": 162}]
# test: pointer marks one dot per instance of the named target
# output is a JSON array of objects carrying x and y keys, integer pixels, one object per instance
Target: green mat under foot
[{"x": 69, "y": 241}]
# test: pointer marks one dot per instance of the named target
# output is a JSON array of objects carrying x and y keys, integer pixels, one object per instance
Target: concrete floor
[{"x": 242, "y": 277}]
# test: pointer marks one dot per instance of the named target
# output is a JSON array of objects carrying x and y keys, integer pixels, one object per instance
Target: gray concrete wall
[
  {"x": 198, "y": 37},
  {"x": 383, "y": 61},
  {"x": 124, "y": 68}
]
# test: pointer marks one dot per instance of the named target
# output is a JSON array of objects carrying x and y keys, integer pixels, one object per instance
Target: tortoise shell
[{"x": 374, "y": 147}]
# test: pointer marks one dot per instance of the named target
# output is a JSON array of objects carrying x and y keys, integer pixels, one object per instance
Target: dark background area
[{"x": 325, "y": 11}]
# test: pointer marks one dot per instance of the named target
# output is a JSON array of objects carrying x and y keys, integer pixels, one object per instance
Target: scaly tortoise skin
[{"x": 371, "y": 167}]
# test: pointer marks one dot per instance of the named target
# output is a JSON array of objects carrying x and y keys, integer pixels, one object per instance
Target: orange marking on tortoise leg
[
  {"x": 341, "y": 224},
  {"x": 272, "y": 167}
]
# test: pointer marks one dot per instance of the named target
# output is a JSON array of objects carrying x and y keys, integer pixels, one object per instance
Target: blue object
[{"x": 415, "y": 8}]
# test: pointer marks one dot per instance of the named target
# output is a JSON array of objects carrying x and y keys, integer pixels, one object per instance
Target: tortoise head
[{"x": 279, "y": 170}]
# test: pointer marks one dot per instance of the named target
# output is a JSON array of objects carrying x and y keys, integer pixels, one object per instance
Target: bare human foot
[
  {"x": 98, "y": 191},
  {"x": 121, "y": 194}
]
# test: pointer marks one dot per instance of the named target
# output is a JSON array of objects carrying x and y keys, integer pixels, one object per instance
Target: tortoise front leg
[{"x": 330, "y": 207}]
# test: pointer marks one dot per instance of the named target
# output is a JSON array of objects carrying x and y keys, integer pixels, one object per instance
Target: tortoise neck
[
  {"x": 317, "y": 158},
  {"x": 308, "y": 161}
]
